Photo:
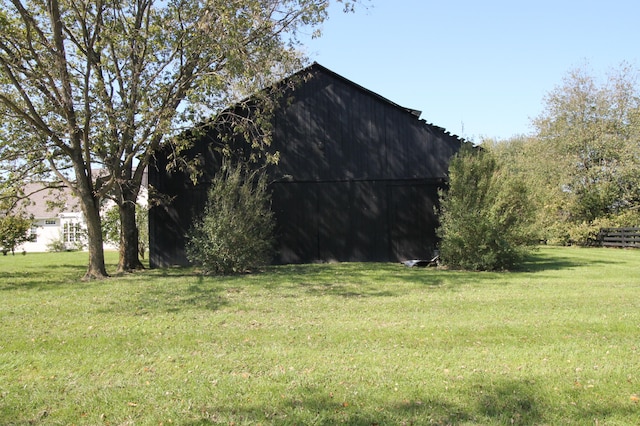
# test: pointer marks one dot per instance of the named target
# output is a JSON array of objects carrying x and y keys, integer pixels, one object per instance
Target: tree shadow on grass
[
  {"x": 345, "y": 291},
  {"x": 194, "y": 297},
  {"x": 508, "y": 402},
  {"x": 362, "y": 280},
  {"x": 380, "y": 279},
  {"x": 347, "y": 280},
  {"x": 501, "y": 402},
  {"x": 54, "y": 276},
  {"x": 350, "y": 280},
  {"x": 539, "y": 261}
]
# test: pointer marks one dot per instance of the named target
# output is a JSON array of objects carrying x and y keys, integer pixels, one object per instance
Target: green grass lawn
[{"x": 360, "y": 344}]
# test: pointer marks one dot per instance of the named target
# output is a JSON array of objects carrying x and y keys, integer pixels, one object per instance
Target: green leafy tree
[
  {"x": 111, "y": 226},
  {"x": 100, "y": 84},
  {"x": 538, "y": 164},
  {"x": 235, "y": 233},
  {"x": 485, "y": 215},
  {"x": 14, "y": 230},
  {"x": 590, "y": 132}
]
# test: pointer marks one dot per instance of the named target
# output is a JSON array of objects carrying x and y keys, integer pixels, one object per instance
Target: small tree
[
  {"x": 111, "y": 226},
  {"x": 235, "y": 233},
  {"x": 14, "y": 230},
  {"x": 485, "y": 215}
]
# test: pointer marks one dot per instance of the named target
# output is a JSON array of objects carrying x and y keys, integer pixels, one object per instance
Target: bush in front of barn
[
  {"x": 486, "y": 215},
  {"x": 235, "y": 232}
]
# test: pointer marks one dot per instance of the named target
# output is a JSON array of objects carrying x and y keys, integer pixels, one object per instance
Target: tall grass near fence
[{"x": 357, "y": 344}]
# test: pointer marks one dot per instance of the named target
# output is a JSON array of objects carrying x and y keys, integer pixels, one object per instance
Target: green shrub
[
  {"x": 235, "y": 233},
  {"x": 485, "y": 216},
  {"x": 58, "y": 245}
]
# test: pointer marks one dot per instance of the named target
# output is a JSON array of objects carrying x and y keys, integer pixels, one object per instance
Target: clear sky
[{"x": 479, "y": 68}]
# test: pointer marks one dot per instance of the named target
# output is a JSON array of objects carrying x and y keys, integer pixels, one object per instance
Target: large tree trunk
[
  {"x": 126, "y": 198},
  {"x": 91, "y": 211},
  {"x": 77, "y": 147},
  {"x": 129, "y": 255}
]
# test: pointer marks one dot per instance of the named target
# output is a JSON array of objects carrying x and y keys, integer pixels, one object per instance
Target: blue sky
[{"x": 478, "y": 68}]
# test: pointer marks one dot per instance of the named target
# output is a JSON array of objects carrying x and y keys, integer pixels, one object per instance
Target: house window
[
  {"x": 72, "y": 232},
  {"x": 33, "y": 234},
  {"x": 50, "y": 222}
]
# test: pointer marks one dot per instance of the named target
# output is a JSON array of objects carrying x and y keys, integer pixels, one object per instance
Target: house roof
[{"x": 44, "y": 202}]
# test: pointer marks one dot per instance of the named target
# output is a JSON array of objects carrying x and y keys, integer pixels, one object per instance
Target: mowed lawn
[{"x": 557, "y": 343}]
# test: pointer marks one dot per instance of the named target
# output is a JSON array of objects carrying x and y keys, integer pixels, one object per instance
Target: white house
[
  {"x": 57, "y": 219},
  {"x": 58, "y": 222}
]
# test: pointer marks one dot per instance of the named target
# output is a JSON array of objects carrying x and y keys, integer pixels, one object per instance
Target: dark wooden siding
[
  {"x": 334, "y": 131},
  {"x": 170, "y": 220},
  {"x": 357, "y": 179},
  {"x": 355, "y": 220}
]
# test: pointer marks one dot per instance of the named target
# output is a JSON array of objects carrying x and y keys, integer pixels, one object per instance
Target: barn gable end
[{"x": 357, "y": 179}]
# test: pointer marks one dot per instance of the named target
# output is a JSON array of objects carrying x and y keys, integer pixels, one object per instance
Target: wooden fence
[{"x": 619, "y": 237}]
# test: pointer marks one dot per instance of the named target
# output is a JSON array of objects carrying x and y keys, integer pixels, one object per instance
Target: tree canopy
[
  {"x": 582, "y": 165},
  {"x": 99, "y": 84}
]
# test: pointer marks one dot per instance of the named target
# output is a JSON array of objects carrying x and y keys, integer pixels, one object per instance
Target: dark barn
[{"x": 357, "y": 179}]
